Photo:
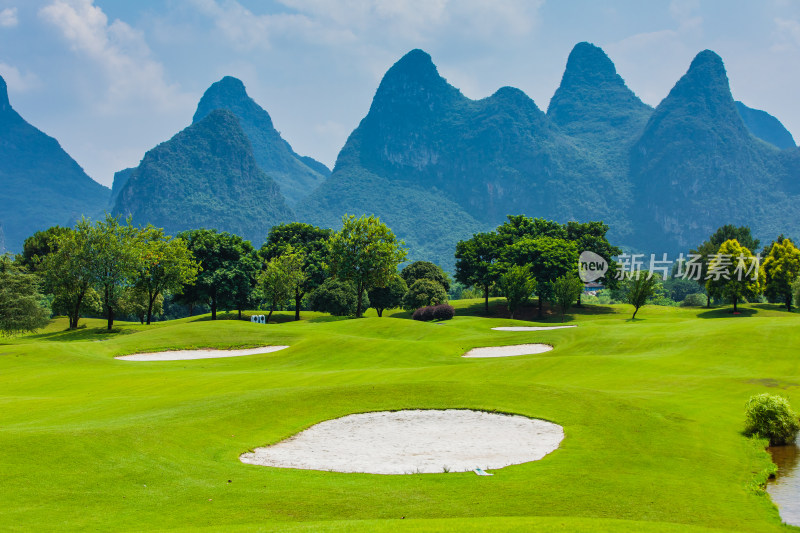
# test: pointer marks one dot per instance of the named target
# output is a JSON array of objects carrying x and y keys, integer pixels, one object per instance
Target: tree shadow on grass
[
  {"x": 81, "y": 334},
  {"x": 727, "y": 312},
  {"x": 233, "y": 315}
]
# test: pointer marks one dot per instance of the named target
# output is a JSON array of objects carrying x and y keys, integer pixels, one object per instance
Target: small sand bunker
[
  {"x": 180, "y": 355},
  {"x": 508, "y": 351},
  {"x": 413, "y": 441},
  {"x": 530, "y": 328}
]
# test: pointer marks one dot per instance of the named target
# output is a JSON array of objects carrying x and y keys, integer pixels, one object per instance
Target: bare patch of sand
[
  {"x": 180, "y": 355},
  {"x": 413, "y": 441},
  {"x": 508, "y": 351},
  {"x": 530, "y": 328}
]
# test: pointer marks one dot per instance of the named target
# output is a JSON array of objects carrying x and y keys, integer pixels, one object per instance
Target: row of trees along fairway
[
  {"x": 775, "y": 272},
  {"x": 337, "y": 269},
  {"x": 106, "y": 263},
  {"x": 530, "y": 255}
]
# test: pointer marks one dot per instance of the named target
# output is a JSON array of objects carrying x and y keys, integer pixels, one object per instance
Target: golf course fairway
[{"x": 652, "y": 412}]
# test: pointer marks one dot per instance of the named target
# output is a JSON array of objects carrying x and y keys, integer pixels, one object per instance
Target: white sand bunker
[
  {"x": 410, "y": 442},
  {"x": 530, "y": 328},
  {"x": 508, "y": 351},
  {"x": 180, "y": 355}
]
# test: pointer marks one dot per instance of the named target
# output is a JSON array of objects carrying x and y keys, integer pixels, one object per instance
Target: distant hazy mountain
[
  {"x": 296, "y": 175},
  {"x": 457, "y": 164},
  {"x": 765, "y": 126},
  {"x": 40, "y": 184},
  {"x": 204, "y": 177}
]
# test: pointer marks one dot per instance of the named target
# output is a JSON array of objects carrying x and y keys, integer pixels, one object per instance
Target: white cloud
[
  {"x": 18, "y": 81},
  {"x": 8, "y": 17},
  {"x": 362, "y": 21},
  {"x": 132, "y": 76}
]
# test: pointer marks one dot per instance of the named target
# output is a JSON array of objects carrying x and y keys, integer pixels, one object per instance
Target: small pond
[{"x": 785, "y": 488}]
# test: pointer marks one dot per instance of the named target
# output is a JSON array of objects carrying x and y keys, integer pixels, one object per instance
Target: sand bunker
[
  {"x": 180, "y": 355},
  {"x": 411, "y": 442},
  {"x": 508, "y": 351},
  {"x": 530, "y": 328}
]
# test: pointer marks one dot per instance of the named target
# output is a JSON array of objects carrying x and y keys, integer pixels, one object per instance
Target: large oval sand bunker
[
  {"x": 181, "y": 355},
  {"x": 508, "y": 351},
  {"x": 413, "y": 441}
]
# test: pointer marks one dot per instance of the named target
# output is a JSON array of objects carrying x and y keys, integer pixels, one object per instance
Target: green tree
[
  {"x": 734, "y": 273},
  {"x": 40, "y": 245},
  {"x": 22, "y": 306},
  {"x": 518, "y": 227},
  {"x": 424, "y": 292},
  {"x": 639, "y": 289},
  {"x": 781, "y": 269},
  {"x": 549, "y": 258},
  {"x": 425, "y": 270},
  {"x": 336, "y": 297},
  {"x": 388, "y": 297},
  {"x": 475, "y": 262},
  {"x": 166, "y": 265},
  {"x": 591, "y": 236},
  {"x": 308, "y": 240},
  {"x": 709, "y": 248},
  {"x": 771, "y": 417},
  {"x": 366, "y": 252},
  {"x": 517, "y": 284},
  {"x": 282, "y": 275},
  {"x": 229, "y": 267},
  {"x": 136, "y": 302},
  {"x": 114, "y": 255},
  {"x": 565, "y": 291},
  {"x": 68, "y": 274}
]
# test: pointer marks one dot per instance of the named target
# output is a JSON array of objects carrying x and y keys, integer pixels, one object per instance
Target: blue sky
[{"x": 110, "y": 79}]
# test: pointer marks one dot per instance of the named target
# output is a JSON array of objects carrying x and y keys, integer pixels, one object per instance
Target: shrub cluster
[
  {"x": 771, "y": 417},
  {"x": 434, "y": 312}
]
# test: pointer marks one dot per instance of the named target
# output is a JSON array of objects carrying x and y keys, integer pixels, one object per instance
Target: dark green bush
[
  {"x": 424, "y": 292},
  {"x": 337, "y": 298},
  {"x": 697, "y": 299},
  {"x": 771, "y": 417}
]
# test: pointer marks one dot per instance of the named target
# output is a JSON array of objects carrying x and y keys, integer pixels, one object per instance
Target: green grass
[{"x": 652, "y": 410}]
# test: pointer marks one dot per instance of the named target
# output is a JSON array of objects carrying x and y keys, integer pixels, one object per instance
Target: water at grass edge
[{"x": 785, "y": 488}]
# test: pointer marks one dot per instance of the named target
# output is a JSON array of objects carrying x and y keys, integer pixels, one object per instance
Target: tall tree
[
  {"x": 366, "y": 252},
  {"x": 40, "y": 245},
  {"x": 166, "y": 264},
  {"x": 781, "y": 269},
  {"x": 68, "y": 274},
  {"x": 388, "y": 297},
  {"x": 475, "y": 262},
  {"x": 709, "y": 248},
  {"x": 22, "y": 306},
  {"x": 115, "y": 252},
  {"x": 591, "y": 236},
  {"x": 549, "y": 259},
  {"x": 229, "y": 268},
  {"x": 282, "y": 275},
  {"x": 425, "y": 270},
  {"x": 308, "y": 240},
  {"x": 517, "y": 284},
  {"x": 638, "y": 289},
  {"x": 565, "y": 291},
  {"x": 734, "y": 273}
]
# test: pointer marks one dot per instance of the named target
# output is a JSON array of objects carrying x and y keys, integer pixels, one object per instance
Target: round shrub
[
  {"x": 424, "y": 314},
  {"x": 443, "y": 312},
  {"x": 697, "y": 299},
  {"x": 770, "y": 417},
  {"x": 337, "y": 298}
]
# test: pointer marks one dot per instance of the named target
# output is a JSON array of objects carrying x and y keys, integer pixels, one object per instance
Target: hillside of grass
[{"x": 652, "y": 411}]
